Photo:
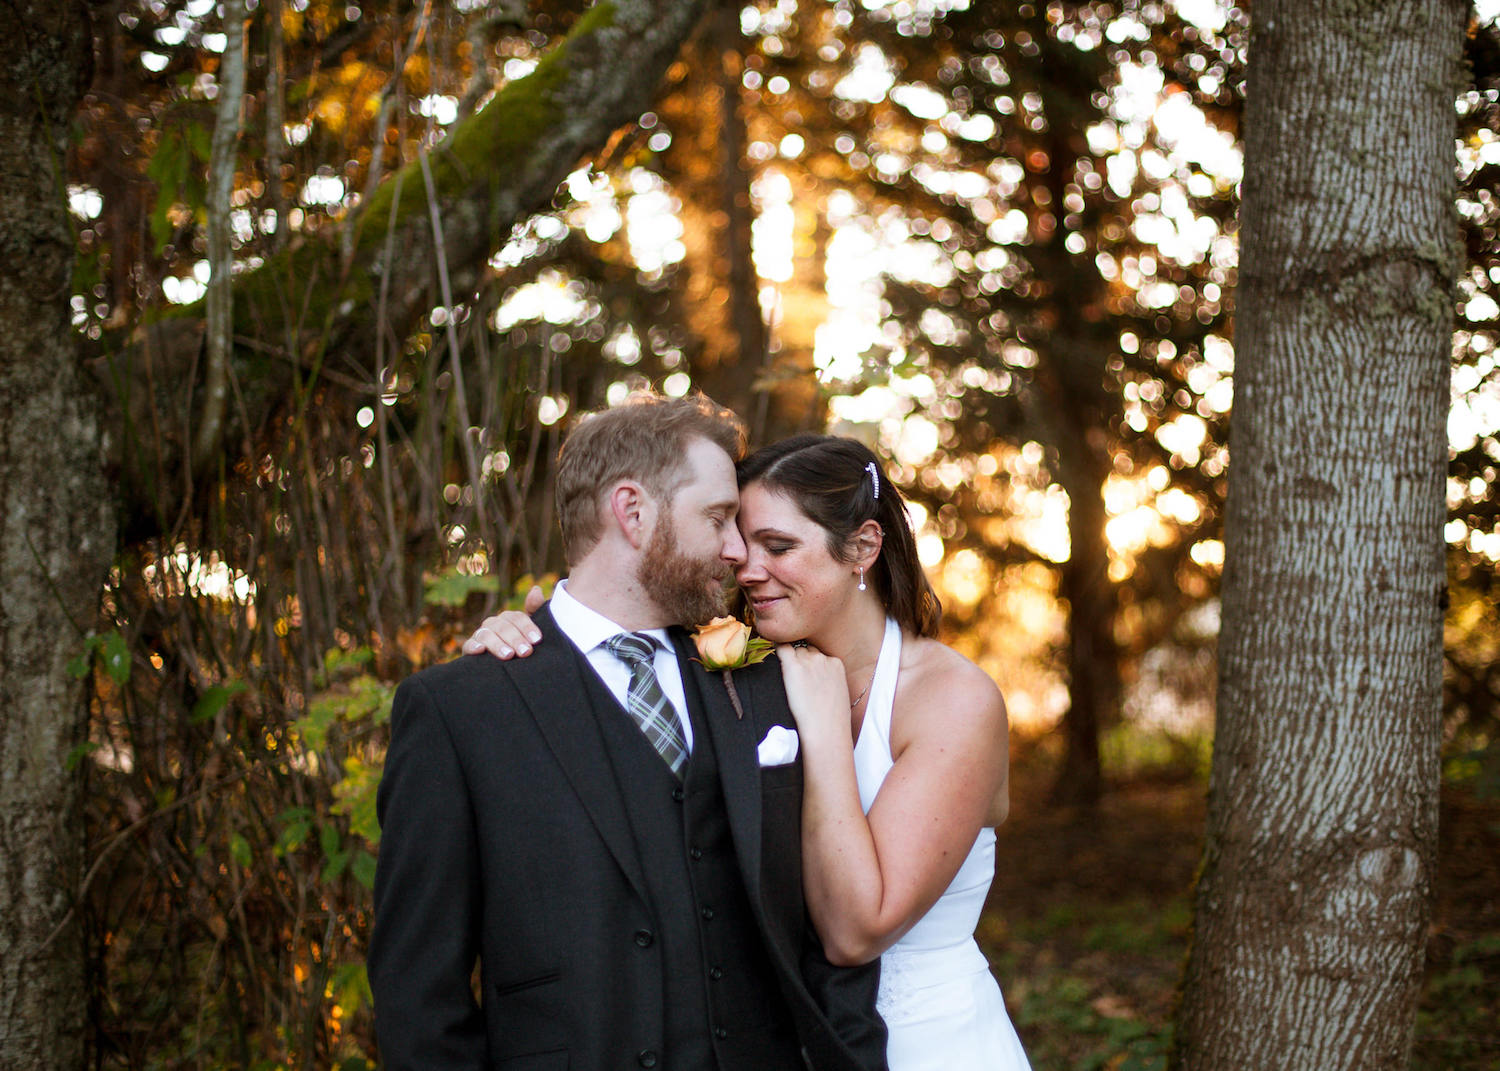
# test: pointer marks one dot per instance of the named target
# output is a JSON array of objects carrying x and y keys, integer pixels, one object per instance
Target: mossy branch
[{"x": 493, "y": 170}]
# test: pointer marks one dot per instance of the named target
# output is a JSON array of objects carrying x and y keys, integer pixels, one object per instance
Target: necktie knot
[{"x": 632, "y": 647}]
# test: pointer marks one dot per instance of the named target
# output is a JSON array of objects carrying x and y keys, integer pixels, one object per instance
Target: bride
[{"x": 904, "y": 745}]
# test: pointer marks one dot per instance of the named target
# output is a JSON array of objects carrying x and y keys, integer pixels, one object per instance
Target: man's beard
[{"x": 688, "y": 590}]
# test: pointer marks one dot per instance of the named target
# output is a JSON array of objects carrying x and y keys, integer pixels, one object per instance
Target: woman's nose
[{"x": 750, "y": 569}]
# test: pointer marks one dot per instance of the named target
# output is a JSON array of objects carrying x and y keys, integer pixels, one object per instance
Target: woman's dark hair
[{"x": 833, "y": 481}]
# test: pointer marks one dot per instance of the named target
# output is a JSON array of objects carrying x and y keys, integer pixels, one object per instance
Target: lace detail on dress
[{"x": 899, "y": 982}]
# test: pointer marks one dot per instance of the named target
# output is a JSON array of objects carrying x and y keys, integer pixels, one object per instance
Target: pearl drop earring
[{"x": 861, "y": 578}]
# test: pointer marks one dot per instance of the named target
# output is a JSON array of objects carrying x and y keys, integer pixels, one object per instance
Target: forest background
[{"x": 340, "y": 347}]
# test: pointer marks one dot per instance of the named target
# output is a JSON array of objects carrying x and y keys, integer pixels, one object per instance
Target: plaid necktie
[{"x": 651, "y": 709}]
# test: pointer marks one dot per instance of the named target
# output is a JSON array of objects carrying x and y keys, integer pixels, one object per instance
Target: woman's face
[{"x": 795, "y": 587}]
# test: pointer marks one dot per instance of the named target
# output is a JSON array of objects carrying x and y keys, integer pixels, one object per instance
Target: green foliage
[
  {"x": 113, "y": 654},
  {"x": 177, "y": 168},
  {"x": 1477, "y": 770},
  {"x": 1068, "y": 1006},
  {"x": 1132, "y": 753},
  {"x": 296, "y": 825},
  {"x": 453, "y": 588},
  {"x": 350, "y": 696},
  {"x": 1457, "y": 1016},
  {"x": 354, "y": 798},
  {"x": 239, "y": 850},
  {"x": 349, "y": 988},
  {"x": 215, "y": 699},
  {"x": 78, "y": 754}
]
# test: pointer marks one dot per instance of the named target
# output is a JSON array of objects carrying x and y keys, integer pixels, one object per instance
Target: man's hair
[{"x": 644, "y": 438}]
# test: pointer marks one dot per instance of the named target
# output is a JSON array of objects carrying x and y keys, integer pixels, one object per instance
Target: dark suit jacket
[{"x": 505, "y": 839}]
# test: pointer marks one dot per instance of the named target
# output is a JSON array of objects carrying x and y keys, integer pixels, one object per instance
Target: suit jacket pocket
[
  {"x": 782, "y": 778},
  {"x": 503, "y": 989},
  {"x": 552, "y": 1060},
  {"x": 526, "y": 1021}
]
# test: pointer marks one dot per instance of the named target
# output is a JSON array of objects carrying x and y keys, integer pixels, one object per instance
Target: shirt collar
[{"x": 588, "y": 628}]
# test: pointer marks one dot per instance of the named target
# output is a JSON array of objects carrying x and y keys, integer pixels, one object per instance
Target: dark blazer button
[
  {"x": 720, "y": 1033},
  {"x": 646, "y": 1058},
  {"x": 695, "y": 853},
  {"x": 643, "y": 938},
  {"x": 677, "y": 793},
  {"x": 708, "y": 912},
  {"x": 715, "y": 973}
]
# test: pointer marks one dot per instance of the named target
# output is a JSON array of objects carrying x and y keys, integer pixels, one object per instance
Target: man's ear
[
  {"x": 865, "y": 544},
  {"x": 633, "y": 511}
]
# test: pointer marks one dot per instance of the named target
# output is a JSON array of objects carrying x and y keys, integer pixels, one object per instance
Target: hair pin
[{"x": 874, "y": 472}]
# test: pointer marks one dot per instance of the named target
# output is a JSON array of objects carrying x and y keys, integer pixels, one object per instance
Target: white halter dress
[{"x": 940, "y": 1003}]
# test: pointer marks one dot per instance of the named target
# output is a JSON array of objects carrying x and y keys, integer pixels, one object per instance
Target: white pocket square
[{"x": 779, "y": 747}]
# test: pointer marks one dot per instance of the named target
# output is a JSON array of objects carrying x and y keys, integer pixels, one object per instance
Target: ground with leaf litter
[{"x": 1088, "y": 920}]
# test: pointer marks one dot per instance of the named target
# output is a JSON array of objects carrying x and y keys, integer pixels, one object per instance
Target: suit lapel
[
  {"x": 560, "y": 689},
  {"x": 734, "y": 744}
]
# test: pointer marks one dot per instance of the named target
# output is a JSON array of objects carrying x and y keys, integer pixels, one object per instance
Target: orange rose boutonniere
[{"x": 726, "y": 644}]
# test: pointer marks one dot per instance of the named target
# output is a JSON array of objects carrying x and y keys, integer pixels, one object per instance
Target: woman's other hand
[
  {"x": 509, "y": 634},
  {"x": 816, "y": 690}
]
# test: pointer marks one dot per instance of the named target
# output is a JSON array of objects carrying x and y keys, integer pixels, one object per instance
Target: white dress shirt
[{"x": 588, "y": 629}]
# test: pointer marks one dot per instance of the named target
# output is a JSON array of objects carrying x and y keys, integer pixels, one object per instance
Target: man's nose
[{"x": 733, "y": 550}]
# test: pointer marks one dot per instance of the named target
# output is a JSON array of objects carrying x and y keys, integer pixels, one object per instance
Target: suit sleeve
[
  {"x": 847, "y": 998},
  {"x": 426, "y": 935}
]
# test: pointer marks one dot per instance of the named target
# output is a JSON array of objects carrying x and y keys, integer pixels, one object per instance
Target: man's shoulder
[
  {"x": 549, "y": 660},
  {"x": 461, "y": 671}
]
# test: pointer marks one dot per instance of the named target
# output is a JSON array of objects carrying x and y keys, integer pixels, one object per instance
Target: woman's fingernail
[
  {"x": 505, "y": 652},
  {"x": 523, "y": 648}
]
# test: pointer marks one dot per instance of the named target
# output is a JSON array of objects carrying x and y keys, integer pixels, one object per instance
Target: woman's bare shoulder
[{"x": 937, "y": 678}]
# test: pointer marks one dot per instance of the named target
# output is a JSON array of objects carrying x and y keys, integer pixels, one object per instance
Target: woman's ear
[
  {"x": 632, "y": 510},
  {"x": 866, "y": 542}
]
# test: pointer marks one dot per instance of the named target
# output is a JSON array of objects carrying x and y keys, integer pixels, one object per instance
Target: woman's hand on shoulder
[
  {"x": 509, "y": 634},
  {"x": 816, "y": 690}
]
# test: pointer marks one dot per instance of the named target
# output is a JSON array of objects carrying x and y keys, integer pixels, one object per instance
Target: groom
[{"x": 594, "y": 824}]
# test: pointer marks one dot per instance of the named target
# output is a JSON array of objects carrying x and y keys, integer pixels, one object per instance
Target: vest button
[
  {"x": 677, "y": 793},
  {"x": 715, "y": 973},
  {"x": 708, "y": 912},
  {"x": 646, "y": 1058},
  {"x": 695, "y": 853},
  {"x": 643, "y": 938},
  {"x": 720, "y": 1033}
]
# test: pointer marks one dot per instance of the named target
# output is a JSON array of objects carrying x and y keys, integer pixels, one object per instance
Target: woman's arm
[{"x": 869, "y": 879}]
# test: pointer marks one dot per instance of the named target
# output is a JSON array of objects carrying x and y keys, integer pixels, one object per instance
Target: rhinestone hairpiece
[{"x": 874, "y": 478}]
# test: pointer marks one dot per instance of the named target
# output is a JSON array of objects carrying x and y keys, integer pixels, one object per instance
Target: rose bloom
[{"x": 722, "y": 642}]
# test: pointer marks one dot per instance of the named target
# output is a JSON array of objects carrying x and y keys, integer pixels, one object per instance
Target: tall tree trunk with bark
[
  {"x": 1315, "y": 889},
  {"x": 56, "y": 541}
]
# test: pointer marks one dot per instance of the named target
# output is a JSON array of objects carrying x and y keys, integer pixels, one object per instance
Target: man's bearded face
[{"x": 689, "y": 590}]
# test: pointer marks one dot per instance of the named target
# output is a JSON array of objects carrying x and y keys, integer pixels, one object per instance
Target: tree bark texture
[
  {"x": 492, "y": 171},
  {"x": 56, "y": 540},
  {"x": 1315, "y": 887}
]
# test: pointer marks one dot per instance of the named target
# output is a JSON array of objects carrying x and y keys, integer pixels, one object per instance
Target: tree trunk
[
  {"x": 739, "y": 370},
  {"x": 1093, "y": 660},
  {"x": 56, "y": 541},
  {"x": 1322, "y": 829}
]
